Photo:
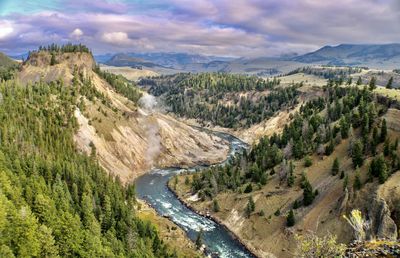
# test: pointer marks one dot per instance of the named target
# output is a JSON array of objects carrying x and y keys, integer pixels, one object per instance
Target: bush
[
  {"x": 335, "y": 167},
  {"x": 215, "y": 206},
  {"x": 308, "y": 161},
  {"x": 290, "y": 221},
  {"x": 312, "y": 246},
  {"x": 248, "y": 189}
]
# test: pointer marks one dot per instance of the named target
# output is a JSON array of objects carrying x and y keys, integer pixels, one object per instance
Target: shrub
[
  {"x": 312, "y": 246},
  {"x": 308, "y": 161},
  {"x": 248, "y": 189}
]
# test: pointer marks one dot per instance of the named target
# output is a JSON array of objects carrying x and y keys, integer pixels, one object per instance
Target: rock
[{"x": 382, "y": 225}]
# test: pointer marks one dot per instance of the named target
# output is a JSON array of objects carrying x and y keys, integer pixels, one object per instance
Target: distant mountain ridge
[
  {"x": 372, "y": 55},
  {"x": 167, "y": 60},
  {"x": 379, "y": 56}
]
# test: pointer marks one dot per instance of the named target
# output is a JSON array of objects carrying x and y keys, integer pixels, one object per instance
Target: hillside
[
  {"x": 128, "y": 139},
  {"x": 55, "y": 201},
  {"x": 7, "y": 67},
  {"x": 374, "y": 56},
  {"x": 130, "y": 73},
  {"x": 291, "y": 169},
  {"x": 5, "y": 61}
]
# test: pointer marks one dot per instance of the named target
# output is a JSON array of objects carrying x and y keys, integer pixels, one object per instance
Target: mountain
[
  {"x": 103, "y": 58},
  {"x": 374, "y": 56},
  {"x": 5, "y": 61},
  {"x": 170, "y": 60},
  {"x": 129, "y": 138}
]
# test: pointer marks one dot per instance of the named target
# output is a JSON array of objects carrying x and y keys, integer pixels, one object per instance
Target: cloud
[
  {"x": 215, "y": 27},
  {"x": 119, "y": 38},
  {"x": 6, "y": 30},
  {"x": 76, "y": 34}
]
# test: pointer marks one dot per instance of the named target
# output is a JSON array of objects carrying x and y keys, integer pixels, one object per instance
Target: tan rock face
[
  {"x": 38, "y": 67},
  {"x": 150, "y": 141},
  {"x": 128, "y": 141}
]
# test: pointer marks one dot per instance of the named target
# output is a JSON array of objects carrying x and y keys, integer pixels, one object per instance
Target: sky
[{"x": 245, "y": 28}]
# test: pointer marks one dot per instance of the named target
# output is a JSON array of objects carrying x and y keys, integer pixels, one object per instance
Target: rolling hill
[
  {"x": 5, "y": 61},
  {"x": 374, "y": 56}
]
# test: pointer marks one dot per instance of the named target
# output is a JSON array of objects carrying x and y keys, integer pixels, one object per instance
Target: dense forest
[
  {"x": 7, "y": 67},
  {"x": 320, "y": 124},
  {"x": 67, "y": 48},
  {"x": 121, "y": 85},
  {"x": 55, "y": 201},
  {"x": 223, "y": 99},
  {"x": 328, "y": 72}
]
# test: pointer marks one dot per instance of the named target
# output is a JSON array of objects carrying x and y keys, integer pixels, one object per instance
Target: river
[{"x": 152, "y": 187}]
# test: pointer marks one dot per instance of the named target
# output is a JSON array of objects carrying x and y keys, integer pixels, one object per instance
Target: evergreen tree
[
  {"x": 335, "y": 167},
  {"x": 345, "y": 181},
  {"x": 307, "y": 161},
  {"x": 372, "y": 84},
  {"x": 383, "y": 131},
  {"x": 290, "y": 178},
  {"x": 357, "y": 154},
  {"x": 308, "y": 193},
  {"x": 359, "y": 81},
  {"x": 53, "y": 59},
  {"x": 357, "y": 180},
  {"x": 389, "y": 84},
  {"x": 290, "y": 220},
  {"x": 216, "y": 206},
  {"x": 250, "y": 207}
]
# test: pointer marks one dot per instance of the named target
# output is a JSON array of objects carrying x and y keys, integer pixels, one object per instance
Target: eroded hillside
[
  {"x": 335, "y": 152},
  {"x": 127, "y": 139}
]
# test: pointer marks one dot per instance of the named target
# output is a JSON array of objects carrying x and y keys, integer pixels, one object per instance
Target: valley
[
  {"x": 312, "y": 145},
  {"x": 200, "y": 129}
]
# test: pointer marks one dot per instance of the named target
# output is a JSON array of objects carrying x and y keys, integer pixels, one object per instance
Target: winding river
[{"x": 152, "y": 187}]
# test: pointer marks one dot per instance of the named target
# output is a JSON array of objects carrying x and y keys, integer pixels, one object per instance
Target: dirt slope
[{"x": 127, "y": 140}]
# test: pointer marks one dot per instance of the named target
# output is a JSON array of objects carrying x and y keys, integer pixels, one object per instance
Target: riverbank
[
  {"x": 184, "y": 202},
  {"x": 171, "y": 233}
]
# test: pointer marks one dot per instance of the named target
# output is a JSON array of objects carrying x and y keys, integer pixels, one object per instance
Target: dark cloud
[{"x": 223, "y": 27}]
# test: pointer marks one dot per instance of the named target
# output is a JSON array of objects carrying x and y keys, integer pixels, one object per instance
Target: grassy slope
[
  {"x": 268, "y": 233},
  {"x": 6, "y": 61}
]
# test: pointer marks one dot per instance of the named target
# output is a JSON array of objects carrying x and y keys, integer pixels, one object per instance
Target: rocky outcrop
[
  {"x": 381, "y": 223},
  {"x": 127, "y": 140},
  {"x": 38, "y": 67}
]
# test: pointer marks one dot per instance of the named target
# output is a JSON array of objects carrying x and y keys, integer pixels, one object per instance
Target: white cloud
[
  {"x": 5, "y": 29},
  {"x": 76, "y": 34},
  {"x": 118, "y": 38}
]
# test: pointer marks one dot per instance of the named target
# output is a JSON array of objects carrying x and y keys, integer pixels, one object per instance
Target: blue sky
[{"x": 219, "y": 27}]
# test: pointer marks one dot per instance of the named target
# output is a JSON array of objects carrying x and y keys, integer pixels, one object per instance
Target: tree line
[
  {"x": 55, "y": 201},
  {"x": 317, "y": 128},
  {"x": 213, "y": 97}
]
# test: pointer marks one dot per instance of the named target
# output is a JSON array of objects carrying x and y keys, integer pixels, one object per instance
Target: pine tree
[
  {"x": 216, "y": 206},
  {"x": 389, "y": 84},
  {"x": 335, "y": 167},
  {"x": 290, "y": 179},
  {"x": 383, "y": 131},
  {"x": 308, "y": 193},
  {"x": 249, "y": 188},
  {"x": 345, "y": 182},
  {"x": 359, "y": 81},
  {"x": 290, "y": 220},
  {"x": 357, "y": 180},
  {"x": 251, "y": 206},
  {"x": 372, "y": 84},
  {"x": 357, "y": 154},
  {"x": 350, "y": 81},
  {"x": 53, "y": 59}
]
